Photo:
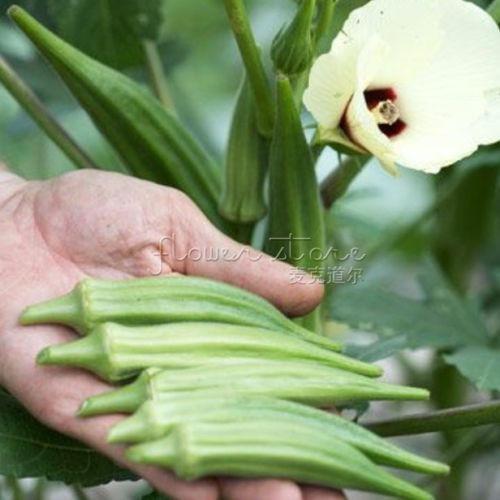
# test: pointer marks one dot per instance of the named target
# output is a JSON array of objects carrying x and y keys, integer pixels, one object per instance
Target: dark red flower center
[
  {"x": 383, "y": 99},
  {"x": 376, "y": 96}
]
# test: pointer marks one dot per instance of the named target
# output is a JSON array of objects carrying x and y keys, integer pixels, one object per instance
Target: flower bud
[{"x": 293, "y": 48}]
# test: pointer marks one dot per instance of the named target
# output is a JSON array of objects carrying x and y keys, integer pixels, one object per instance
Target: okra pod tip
[
  {"x": 135, "y": 429},
  {"x": 125, "y": 399},
  {"x": 62, "y": 310}
]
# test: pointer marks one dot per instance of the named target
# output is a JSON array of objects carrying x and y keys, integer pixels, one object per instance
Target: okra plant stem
[
  {"x": 240, "y": 24},
  {"x": 455, "y": 418},
  {"x": 42, "y": 116},
  {"x": 15, "y": 488},
  {"x": 157, "y": 74},
  {"x": 337, "y": 183},
  {"x": 324, "y": 21}
]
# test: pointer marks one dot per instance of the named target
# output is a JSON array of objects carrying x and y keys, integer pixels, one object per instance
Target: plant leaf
[
  {"x": 479, "y": 364},
  {"x": 110, "y": 30},
  {"x": 28, "y": 449},
  {"x": 442, "y": 320}
]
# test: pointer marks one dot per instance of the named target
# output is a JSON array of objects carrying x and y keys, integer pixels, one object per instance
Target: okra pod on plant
[
  {"x": 246, "y": 165},
  {"x": 267, "y": 447},
  {"x": 149, "y": 139},
  {"x": 155, "y": 419},
  {"x": 305, "y": 382},
  {"x": 117, "y": 352},
  {"x": 296, "y": 227},
  {"x": 158, "y": 300}
]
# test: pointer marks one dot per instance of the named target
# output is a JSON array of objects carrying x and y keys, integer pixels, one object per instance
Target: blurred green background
[{"x": 397, "y": 222}]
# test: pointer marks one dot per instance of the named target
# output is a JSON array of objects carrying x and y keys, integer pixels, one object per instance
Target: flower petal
[
  {"x": 331, "y": 85},
  {"x": 410, "y": 28},
  {"x": 446, "y": 106},
  {"x": 362, "y": 126}
]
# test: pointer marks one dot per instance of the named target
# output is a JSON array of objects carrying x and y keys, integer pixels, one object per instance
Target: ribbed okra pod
[
  {"x": 296, "y": 228},
  {"x": 155, "y": 419},
  {"x": 116, "y": 352},
  {"x": 305, "y": 382},
  {"x": 157, "y": 300},
  {"x": 246, "y": 165},
  {"x": 266, "y": 447},
  {"x": 149, "y": 139}
]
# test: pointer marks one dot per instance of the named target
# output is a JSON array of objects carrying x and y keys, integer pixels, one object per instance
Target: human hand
[{"x": 90, "y": 223}]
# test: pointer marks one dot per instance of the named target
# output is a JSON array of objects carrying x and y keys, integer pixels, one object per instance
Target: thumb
[{"x": 205, "y": 251}]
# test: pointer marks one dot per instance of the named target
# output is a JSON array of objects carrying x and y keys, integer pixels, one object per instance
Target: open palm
[{"x": 53, "y": 234}]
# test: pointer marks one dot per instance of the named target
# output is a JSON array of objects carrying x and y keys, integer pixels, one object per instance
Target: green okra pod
[
  {"x": 155, "y": 419},
  {"x": 267, "y": 447},
  {"x": 305, "y": 382},
  {"x": 117, "y": 352},
  {"x": 246, "y": 165},
  {"x": 149, "y": 139},
  {"x": 296, "y": 229},
  {"x": 158, "y": 300}
]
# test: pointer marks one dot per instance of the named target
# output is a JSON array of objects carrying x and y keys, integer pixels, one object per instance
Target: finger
[
  {"x": 205, "y": 251},
  {"x": 261, "y": 489},
  {"x": 317, "y": 493}
]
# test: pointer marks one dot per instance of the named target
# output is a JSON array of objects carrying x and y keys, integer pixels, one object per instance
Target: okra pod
[
  {"x": 270, "y": 448},
  {"x": 158, "y": 300},
  {"x": 305, "y": 382},
  {"x": 155, "y": 419},
  {"x": 149, "y": 139},
  {"x": 247, "y": 159},
  {"x": 117, "y": 352},
  {"x": 296, "y": 229}
]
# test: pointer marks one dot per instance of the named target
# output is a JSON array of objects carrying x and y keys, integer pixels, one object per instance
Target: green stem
[
  {"x": 317, "y": 149},
  {"x": 442, "y": 420},
  {"x": 337, "y": 183},
  {"x": 157, "y": 75},
  {"x": 238, "y": 18},
  {"x": 15, "y": 488},
  {"x": 41, "y": 115},
  {"x": 400, "y": 235},
  {"x": 325, "y": 16},
  {"x": 38, "y": 492},
  {"x": 494, "y": 10},
  {"x": 79, "y": 492}
]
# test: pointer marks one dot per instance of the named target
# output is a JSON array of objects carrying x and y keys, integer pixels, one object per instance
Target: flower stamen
[
  {"x": 386, "y": 113},
  {"x": 380, "y": 102}
]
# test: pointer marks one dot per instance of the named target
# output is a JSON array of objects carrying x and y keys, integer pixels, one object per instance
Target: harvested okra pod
[
  {"x": 116, "y": 352},
  {"x": 305, "y": 382},
  {"x": 164, "y": 300},
  {"x": 155, "y": 419},
  {"x": 270, "y": 447}
]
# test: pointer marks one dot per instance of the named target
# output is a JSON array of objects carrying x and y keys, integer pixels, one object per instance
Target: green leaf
[
  {"x": 479, "y": 364},
  {"x": 442, "y": 320},
  {"x": 465, "y": 221},
  {"x": 110, "y": 30},
  {"x": 28, "y": 449}
]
